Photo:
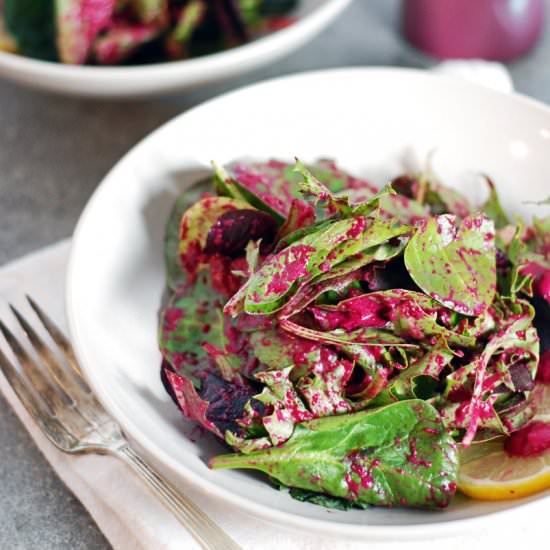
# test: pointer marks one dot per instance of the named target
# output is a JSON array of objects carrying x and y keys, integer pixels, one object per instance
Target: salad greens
[
  {"x": 109, "y": 32},
  {"x": 394, "y": 455},
  {"x": 346, "y": 340}
]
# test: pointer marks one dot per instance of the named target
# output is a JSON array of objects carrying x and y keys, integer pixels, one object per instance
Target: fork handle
[{"x": 207, "y": 534}]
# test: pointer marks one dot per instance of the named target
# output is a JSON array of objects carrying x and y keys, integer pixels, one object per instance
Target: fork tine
[
  {"x": 73, "y": 383},
  {"x": 58, "y": 337},
  {"x": 48, "y": 424},
  {"x": 41, "y": 384},
  {"x": 67, "y": 379}
]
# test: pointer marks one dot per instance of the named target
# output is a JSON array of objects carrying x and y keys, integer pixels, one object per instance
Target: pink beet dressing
[
  {"x": 531, "y": 440},
  {"x": 541, "y": 276},
  {"x": 413, "y": 457},
  {"x": 295, "y": 261},
  {"x": 543, "y": 371}
]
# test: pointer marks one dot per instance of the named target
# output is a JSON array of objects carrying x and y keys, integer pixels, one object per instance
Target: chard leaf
[
  {"x": 377, "y": 253},
  {"x": 412, "y": 322},
  {"x": 394, "y": 456},
  {"x": 455, "y": 265}
]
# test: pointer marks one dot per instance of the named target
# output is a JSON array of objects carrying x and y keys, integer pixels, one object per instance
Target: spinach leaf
[
  {"x": 398, "y": 455},
  {"x": 455, "y": 265},
  {"x": 334, "y": 503},
  {"x": 32, "y": 24}
]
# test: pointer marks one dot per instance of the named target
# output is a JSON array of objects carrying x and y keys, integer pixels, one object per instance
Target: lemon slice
[
  {"x": 495, "y": 475},
  {"x": 488, "y": 472}
]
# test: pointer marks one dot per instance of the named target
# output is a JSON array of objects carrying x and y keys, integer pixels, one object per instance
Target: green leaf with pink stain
[
  {"x": 455, "y": 263},
  {"x": 191, "y": 318},
  {"x": 398, "y": 455}
]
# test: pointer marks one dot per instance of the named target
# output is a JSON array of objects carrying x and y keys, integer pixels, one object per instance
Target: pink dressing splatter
[
  {"x": 531, "y": 440},
  {"x": 294, "y": 262},
  {"x": 543, "y": 371},
  {"x": 413, "y": 457},
  {"x": 79, "y": 23}
]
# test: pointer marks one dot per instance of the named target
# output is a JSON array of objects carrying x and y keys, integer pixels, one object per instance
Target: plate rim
[{"x": 178, "y": 469}]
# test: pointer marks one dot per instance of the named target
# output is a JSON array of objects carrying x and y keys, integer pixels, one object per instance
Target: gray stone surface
[{"x": 54, "y": 151}]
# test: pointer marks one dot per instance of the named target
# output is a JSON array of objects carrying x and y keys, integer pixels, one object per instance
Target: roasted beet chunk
[
  {"x": 226, "y": 400},
  {"x": 234, "y": 229}
]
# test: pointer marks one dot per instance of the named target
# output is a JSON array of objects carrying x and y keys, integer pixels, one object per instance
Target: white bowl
[
  {"x": 373, "y": 121},
  {"x": 161, "y": 78}
]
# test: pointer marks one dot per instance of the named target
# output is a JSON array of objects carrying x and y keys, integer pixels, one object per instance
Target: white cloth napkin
[{"x": 130, "y": 517}]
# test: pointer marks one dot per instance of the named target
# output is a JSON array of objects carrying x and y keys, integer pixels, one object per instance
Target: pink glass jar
[{"x": 465, "y": 29}]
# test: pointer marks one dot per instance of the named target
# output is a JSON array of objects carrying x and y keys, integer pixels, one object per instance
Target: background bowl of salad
[
  {"x": 125, "y": 48},
  {"x": 376, "y": 124}
]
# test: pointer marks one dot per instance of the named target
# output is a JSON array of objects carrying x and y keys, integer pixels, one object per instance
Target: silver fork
[{"x": 63, "y": 406}]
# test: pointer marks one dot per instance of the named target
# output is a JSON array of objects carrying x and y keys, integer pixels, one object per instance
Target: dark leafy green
[
  {"x": 32, "y": 24},
  {"x": 398, "y": 455}
]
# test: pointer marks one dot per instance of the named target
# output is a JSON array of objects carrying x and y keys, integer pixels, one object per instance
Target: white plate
[
  {"x": 141, "y": 80},
  {"x": 374, "y": 122}
]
